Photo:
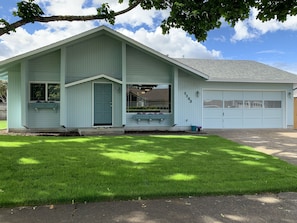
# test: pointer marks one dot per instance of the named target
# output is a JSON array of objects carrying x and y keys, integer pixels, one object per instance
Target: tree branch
[{"x": 44, "y": 19}]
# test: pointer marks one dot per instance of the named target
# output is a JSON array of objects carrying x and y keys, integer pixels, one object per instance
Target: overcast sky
[{"x": 272, "y": 43}]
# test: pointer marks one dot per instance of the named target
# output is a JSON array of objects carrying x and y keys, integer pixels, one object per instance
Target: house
[{"x": 102, "y": 78}]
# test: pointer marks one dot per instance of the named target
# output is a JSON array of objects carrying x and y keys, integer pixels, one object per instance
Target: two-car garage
[{"x": 243, "y": 109}]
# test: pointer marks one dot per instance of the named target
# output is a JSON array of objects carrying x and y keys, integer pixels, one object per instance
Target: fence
[{"x": 3, "y": 111}]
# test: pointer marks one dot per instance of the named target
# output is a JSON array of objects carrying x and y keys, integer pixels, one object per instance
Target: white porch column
[
  {"x": 124, "y": 85},
  {"x": 63, "y": 96}
]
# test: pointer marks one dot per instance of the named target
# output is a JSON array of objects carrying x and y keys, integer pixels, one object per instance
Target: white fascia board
[
  {"x": 92, "y": 79},
  {"x": 252, "y": 81}
]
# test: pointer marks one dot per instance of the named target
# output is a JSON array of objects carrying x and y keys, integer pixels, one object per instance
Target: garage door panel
[
  {"x": 272, "y": 123},
  {"x": 270, "y": 95},
  {"x": 252, "y": 95},
  {"x": 252, "y": 113},
  {"x": 243, "y": 109},
  {"x": 252, "y": 123},
  {"x": 233, "y": 123},
  {"x": 213, "y": 113},
  {"x": 213, "y": 123},
  {"x": 273, "y": 113},
  {"x": 234, "y": 113}
]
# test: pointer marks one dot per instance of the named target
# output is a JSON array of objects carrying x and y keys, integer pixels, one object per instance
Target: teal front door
[{"x": 102, "y": 104}]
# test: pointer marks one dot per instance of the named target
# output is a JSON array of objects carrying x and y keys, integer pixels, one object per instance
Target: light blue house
[{"x": 101, "y": 78}]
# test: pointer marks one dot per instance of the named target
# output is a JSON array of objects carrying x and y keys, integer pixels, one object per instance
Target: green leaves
[
  {"x": 28, "y": 10},
  {"x": 196, "y": 17},
  {"x": 109, "y": 15}
]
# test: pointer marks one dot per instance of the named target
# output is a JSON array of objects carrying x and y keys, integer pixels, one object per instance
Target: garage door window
[
  {"x": 253, "y": 104},
  {"x": 272, "y": 104},
  {"x": 233, "y": 104},
  {"x": 212, "y": 103}
]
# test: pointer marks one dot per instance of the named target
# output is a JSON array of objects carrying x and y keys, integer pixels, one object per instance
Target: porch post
[
  {"x": 63, "y": 107},
  {"x": 175, "y": 96},
  {"x": 124, "y": 81},
  {"x": 24, "y": 93}
]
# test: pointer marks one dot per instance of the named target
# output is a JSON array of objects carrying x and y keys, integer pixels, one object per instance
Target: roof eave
[{"x": 252, "y": 81}]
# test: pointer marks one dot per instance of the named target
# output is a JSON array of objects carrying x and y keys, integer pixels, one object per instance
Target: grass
[
  {"x": 3, "y": 124},
  {"x": 43, "y": 169}
]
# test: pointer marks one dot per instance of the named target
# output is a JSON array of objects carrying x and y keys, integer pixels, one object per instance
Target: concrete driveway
[{"x": 281, "y": 143}]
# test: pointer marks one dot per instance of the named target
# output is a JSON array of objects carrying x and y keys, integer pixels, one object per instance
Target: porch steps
[{"x": 100, "y": 131}]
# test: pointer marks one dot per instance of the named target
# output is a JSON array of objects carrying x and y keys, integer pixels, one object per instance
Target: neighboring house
[{"x": 102, "y": 78}]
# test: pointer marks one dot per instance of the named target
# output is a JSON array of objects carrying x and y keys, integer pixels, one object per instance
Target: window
[
  {"x": 233, "y": 104},
  {"x": 253, "y": 104},
  {"x": 272, "y": 104},
  {"x": 213, "y": 103},
  {"x": 44, "y": 92},
  {"x": 148, "y": 98}
]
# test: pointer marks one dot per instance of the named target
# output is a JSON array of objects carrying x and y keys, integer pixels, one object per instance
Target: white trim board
[{"x": 93, "y": 78}]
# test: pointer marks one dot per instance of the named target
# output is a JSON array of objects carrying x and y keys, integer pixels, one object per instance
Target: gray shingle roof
[{"x": 239, "y": 71}]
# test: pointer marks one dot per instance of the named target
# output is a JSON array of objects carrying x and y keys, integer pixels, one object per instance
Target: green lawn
[
  {"x": 48, "y": 169},
  {"x": 3, "y": 124}
]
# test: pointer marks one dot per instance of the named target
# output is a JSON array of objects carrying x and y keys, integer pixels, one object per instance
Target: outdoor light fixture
[
  {"x": 197, "y": 94},
  {"x": 289, "y": 94}
]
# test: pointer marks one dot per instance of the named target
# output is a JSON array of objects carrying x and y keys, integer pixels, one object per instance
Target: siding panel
[
  {"x": 142, "y": 68},
  {"x": 79, "y": 105},
  {"x": 45, "y": 68},
  {"x": 14, "y": 108},
  {"x": 99, "y": 55}
]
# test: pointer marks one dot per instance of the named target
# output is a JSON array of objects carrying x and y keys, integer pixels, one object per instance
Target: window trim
[{"x": 46, "y": 90}]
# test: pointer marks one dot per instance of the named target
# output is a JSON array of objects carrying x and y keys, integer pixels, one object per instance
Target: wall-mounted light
[
  {"x": 197, "y": 93},
  {"x": 289, "y": 94}
]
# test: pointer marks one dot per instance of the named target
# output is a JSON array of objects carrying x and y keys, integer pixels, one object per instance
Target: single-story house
[{"x": 101, "y": 78}]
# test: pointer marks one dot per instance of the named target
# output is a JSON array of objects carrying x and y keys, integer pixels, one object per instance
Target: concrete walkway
[{"x": 270, "y": 208}]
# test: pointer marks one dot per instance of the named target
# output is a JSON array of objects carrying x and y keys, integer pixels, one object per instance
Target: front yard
[{"x": 49, "y": 169}]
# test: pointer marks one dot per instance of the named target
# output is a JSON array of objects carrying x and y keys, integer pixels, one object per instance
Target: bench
[{"x": 149, "y": 117}]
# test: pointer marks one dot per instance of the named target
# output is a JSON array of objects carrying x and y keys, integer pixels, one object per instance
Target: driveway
[{"x": 281, "y": 143}]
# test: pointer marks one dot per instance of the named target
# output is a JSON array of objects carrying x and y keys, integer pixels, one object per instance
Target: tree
[
  {"x": 3, "y": 91},
  {"x": 196, "y": 17}
]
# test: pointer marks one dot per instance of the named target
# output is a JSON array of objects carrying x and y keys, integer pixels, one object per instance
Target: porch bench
[{"x": 149, "y": 117}]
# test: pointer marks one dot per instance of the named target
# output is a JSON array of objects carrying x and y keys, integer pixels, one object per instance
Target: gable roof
[
  {"x": 211, "y": 70},
  {"x": 239, "y": 71},
  {"x": 5, "y": 64}
]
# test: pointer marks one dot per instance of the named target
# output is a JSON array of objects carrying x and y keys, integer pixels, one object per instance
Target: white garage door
[{"x": 243, "y": 109}]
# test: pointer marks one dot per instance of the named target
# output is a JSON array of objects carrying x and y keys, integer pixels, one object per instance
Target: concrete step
[{"x": 100, "y": 131}]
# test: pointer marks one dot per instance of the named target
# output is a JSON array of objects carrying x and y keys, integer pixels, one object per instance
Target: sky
[{"x": 272, "y": 43}]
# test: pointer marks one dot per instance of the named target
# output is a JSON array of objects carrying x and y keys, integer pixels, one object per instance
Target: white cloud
[
  {"x": 242, "y": 32},
  {"x": 65, "y": 7},
  {"x": 176, "y": 44},
  {"x": 22, "y": 41},
  {"x": 270, "y": 52},
  {"x": 252, "y": 27}
]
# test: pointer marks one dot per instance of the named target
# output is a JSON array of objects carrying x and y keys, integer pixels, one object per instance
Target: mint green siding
[
  {"x": 143, "y": 68},
  {"x": 14, "y": 100},
  {"x": 79, "y": 106},
  {"x": 44, "y": 68},
  {"x": 99, "y": 55}
]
